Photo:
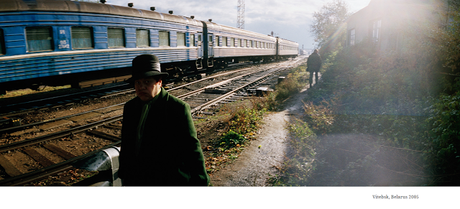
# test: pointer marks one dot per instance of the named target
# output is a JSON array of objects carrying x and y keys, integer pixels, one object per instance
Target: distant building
[{"x": 383, "y": 21}]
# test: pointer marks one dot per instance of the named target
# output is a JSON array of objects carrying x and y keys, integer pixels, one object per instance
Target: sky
[{"x": 288, "y": 19}]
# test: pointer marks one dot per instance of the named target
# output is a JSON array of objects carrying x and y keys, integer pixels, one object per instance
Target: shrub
[
  {"x": 246, "y": 120},
  {"x": 292, "y": 84},
  {"x": 231, "y": 139},
  {"x": 320, "y": 117},
  {"x": 445, "y": 134}
]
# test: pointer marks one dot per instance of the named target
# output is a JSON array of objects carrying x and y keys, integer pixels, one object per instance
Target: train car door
[
  {"x": 210, "y": 50},
  {"x": 199, "y": 38},
  {"x": 199, "y": 44},
  {"x": 207, "y": 46},
  {"x": 210, "y": 45}
]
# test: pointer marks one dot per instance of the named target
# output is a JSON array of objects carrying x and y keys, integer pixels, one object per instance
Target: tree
[{"x": 329, "y": 24}]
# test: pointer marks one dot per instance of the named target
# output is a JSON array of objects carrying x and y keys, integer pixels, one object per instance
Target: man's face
[{"x": 147, "y": 88}]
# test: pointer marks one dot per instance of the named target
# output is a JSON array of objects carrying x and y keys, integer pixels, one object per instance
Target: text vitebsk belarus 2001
[{"x": 397, "y": 197}]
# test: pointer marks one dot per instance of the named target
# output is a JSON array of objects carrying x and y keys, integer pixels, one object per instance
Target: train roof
[
  {"x": 89, "y": 7},
  {"x": 228, "y": 29}
]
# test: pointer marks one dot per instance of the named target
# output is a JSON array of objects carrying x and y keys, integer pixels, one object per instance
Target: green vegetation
[
  {"x": 382, "y": 118},
  {"x": 292, "y": 84}
]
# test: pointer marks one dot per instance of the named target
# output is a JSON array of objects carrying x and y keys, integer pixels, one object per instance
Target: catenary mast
[{"x": 240, "y": 18}]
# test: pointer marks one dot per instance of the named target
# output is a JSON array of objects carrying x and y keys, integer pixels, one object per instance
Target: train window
[
  {"x": 192, "y": 39},
  {"x": 232, "y": 42},
  {"x": 241, "y": 42},
  {"x": 219, "y": 41},
  {"x": 39, "y": 39},
  {"x": 180, "y": 39},
  {"x": 82, "y": 38},
  {"x": 164, "y": 38},
  {"x": 2, "y": 43},
  {"x": 116, "y": 37},
  {"x": 142, "y": 38},
  {"x": 211, "y": 41},
  {"x": 224, "y": 41}
]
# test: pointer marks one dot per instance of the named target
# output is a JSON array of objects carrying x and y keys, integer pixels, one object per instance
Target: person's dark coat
[
  {"x": 314, "y": 62},
  {"x": 169, "y": 152}
]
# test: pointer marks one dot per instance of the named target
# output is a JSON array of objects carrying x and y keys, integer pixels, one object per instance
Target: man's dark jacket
[
  {"x": 168, "y": 150},
  {"x": 314, "y": 62}
]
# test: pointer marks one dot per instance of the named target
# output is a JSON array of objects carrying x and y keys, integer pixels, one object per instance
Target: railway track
[
  {"x": 201, "y": 95},
  {"x": 12, "y": 113},
  {"x": 24, "y": 107}
]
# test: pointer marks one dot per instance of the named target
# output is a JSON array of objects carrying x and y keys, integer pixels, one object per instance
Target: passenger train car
[{"x": 58, "y": 42}]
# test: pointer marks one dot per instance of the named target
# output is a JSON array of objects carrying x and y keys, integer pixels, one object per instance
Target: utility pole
[{"x": 240, "y": 22}]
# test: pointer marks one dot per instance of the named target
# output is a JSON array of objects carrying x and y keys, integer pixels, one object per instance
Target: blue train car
[{"x": 58, "y": 42}]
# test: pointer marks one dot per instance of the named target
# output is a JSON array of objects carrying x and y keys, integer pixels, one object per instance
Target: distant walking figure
[{"x": 313, "y": 65}]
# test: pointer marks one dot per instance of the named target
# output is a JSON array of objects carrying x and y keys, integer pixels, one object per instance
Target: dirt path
[{"x": 255, "y": 164}]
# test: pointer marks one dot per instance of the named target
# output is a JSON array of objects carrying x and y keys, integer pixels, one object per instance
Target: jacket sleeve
[{"x": 192, "y": 153}]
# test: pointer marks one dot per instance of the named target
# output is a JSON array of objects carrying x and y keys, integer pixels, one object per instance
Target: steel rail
[
  {"x": 211, "y": 86},
  {"x": 14, "y": 128},
  {"x": 184, "y": 85},
  {"x": 14, "y": 109},
  {"x": 228, "y": 94},
  {"x": 59, "y": 134}
]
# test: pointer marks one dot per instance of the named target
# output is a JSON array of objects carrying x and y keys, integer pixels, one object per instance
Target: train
[{"x": 61, "y": 42}]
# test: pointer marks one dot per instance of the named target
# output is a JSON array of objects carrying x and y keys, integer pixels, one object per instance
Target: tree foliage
[{"x": 329, "y": 22}]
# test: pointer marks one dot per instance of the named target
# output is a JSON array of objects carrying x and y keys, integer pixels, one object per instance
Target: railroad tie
[
  {"x": 38, "y": 157},
  {"x": 9, "y": 167},
  {"x": 64, "y": 154},
  {"x": 113, "y": 126},
  {"x": 105, "y": 135}
]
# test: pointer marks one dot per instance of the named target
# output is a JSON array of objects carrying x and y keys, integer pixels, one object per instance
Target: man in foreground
[{"x": 159, "y": 141}]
